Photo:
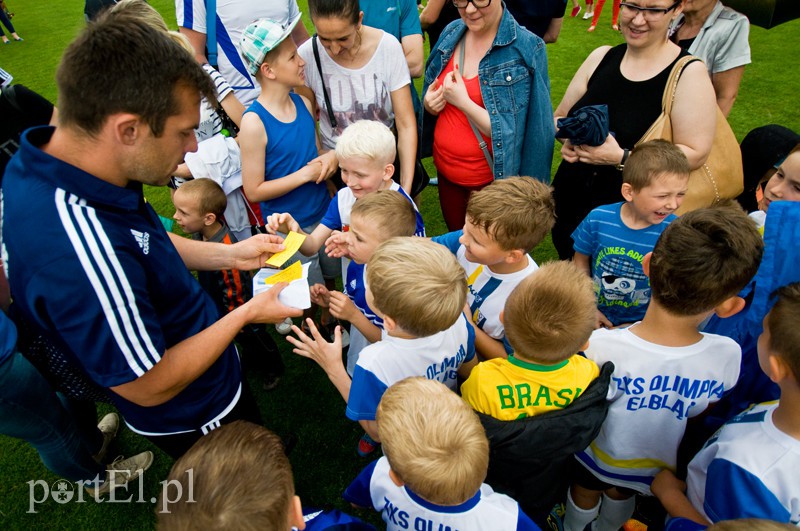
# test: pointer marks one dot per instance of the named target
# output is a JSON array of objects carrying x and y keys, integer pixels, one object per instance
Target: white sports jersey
[
  {"x": 748, "y": 469},
  {"x": 392, "y": 359},
  {"x": 403, "y": 510},
  {"x": 488, "y": 291},
  {"x": 653, "y": 391},
  {"x": 233, "y": 16}
]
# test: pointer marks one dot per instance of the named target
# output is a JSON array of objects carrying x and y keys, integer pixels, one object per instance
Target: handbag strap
[
  {"x": 672, "y": 83},
  {"x": 211, "y": 32},
  {"x": 315, "y": 47},
  {"x": 481, "y": 142}
]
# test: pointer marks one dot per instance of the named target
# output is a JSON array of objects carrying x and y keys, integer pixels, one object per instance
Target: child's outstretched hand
[
  {"x": 342, "y": 307},
  {"x": 320, "y": 295},
  {"x": 283, "y": 223},
  {"x": 602, "y": 321},
  {"x": 336, "y": 244},
  {"x": 327, "y": 355}
]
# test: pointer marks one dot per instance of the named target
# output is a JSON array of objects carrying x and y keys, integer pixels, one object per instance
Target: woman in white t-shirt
[{"x": 366, "y": 76}]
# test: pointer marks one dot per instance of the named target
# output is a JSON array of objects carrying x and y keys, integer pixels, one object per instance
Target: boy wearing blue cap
[{"x": 278, "y": 137}]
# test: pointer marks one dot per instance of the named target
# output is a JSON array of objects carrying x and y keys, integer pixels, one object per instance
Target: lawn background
[{"x": 305, "y": 403}]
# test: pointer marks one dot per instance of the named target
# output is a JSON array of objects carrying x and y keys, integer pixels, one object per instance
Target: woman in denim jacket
[{"x": 503, "y": 87}]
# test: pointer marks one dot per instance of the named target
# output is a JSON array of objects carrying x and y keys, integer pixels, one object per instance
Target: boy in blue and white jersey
[
  {"x": 419, "y": 290},
  {"x": 376, "y": 218},
  {"x": 436, "y": 458},
  {"x": 612, "y": 240},
  {"x": 749, "y": 469},
  {"x": 504, "y": 222},
  {"x": 666, "y": 371}
]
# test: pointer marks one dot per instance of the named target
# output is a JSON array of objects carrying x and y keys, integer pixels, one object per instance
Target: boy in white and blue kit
[
  {"x": 376, "y": 218},
  {"x": 436, "y": 456},
  {"x": 666, "y": 371},
  {"x": 612, "y": 240},
  {"x": 504, "y": 222},
  {"x": 749, "y": 469},
  {"x": 419, "y": 290}
]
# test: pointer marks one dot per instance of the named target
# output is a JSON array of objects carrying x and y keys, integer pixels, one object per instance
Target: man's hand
[
  {"x": 266, "y": 308},
  {"x": 254, "y": 252},
  {"x": 320, "y": 295},
  {"x": 283, "y": 223},
  {"x": 327, "y": 355},
  {"x": 342, "y": 307},
  {"x": 336, "y": 245}
]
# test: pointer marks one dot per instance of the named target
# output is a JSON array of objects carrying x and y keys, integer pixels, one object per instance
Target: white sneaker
[
  {"x": 284, "y": 328},
  {"x": 108, "y": 426},
  {"x": 588, "y": 15},
  {"x": 121, "y": 472}
]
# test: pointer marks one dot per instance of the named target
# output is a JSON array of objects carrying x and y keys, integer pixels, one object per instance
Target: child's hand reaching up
[
  {"x": 327, "y": 355},
  {"x": 283, "y": 223},
  {"x": 342, "y": 307},
  {"x": 320, "y": 295},
  {"x": 336, "y": 245}
]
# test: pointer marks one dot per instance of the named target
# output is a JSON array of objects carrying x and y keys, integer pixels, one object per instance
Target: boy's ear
[
  {"x": 646, "y": 263},
  {"x": 209, "y": 219},
  {"x": 388, "y": 171},
  {"x": 266, "y": 70},
  {"x": 729, "y": 307},
  {"x": 296, "y": 514},
  {"x": 627, "y": 191},
  {"x": 395, "y": 478},
  {"x": 778, "y": 369},
  {"x": 514, "y": 256},
  {"x": 389, "y": 324},
  {"x": 502, "y": 316}
]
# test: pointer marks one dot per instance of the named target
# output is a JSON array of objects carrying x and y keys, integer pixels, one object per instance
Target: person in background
[
  {"x": 543, "y": 17},
  {"x": 717, "y": 35}
]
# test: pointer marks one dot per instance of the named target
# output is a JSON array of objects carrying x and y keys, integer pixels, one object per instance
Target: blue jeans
[{"x": 30, "y": 410}]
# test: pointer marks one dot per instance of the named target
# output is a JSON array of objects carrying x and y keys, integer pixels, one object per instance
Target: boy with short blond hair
[
  {"x": 749, "y": 467},
  {"x": 612, "y": 240},
  {"x": 666, "y": 371},
  {"x": 436, "y": 458},
  {"x": 504, "y": 222},
  {"x": 419, "y": 290},
  {"x": 548, "y": 318},
  {"x": 199, "y": 204}
]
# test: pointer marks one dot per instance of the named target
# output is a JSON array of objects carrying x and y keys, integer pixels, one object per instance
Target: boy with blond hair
[
  {"x": 238, "y": 477},
  {"x": 548, "y": 318},
  {"x": 748, "y": 469},
  {"x": 199, "y": 205},
  {"x": 419, "y": 290},
  {"x": 612, "y": 240},
  {"x": 666, "y": 371},
  {"x": 375, "y": 218},
  {"x": 504, "y": 222},
  {"x": 435, "y": 460}
]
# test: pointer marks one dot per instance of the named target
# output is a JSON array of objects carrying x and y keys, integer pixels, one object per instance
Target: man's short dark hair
[{"x": 120, "y": 64}]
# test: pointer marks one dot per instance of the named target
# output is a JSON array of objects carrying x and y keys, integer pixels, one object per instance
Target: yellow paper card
[
  {"x": 293, "y": 272},
  {"x": 292, "y": 242}
]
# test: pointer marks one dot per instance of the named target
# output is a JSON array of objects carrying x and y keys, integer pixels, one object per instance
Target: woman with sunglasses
[
  {"x": 629, "y": 79},
  {"x": 486, "y": 98}
]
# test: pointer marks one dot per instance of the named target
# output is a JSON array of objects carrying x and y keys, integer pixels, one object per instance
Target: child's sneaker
[
  {"x": 285, "y": 327},
  {"x": 575, "y": 11},
  {"x": 588, "y": 15},
  {"x": 366, "y": 445}
]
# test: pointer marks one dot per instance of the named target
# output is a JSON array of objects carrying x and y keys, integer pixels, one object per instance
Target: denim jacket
[{"x": 516, "y": 93}]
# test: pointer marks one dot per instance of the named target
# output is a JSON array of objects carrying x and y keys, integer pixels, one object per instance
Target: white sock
[
  {"x": 576, "y": 519},
  {"x": 614, "y": 513}
]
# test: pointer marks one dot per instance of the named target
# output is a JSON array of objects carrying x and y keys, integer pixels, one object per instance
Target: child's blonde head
[
  {"x": 433, "y": 441},
  {"x": 652, "y": 159},
  {"x": 551, "y": 314},
  {"x": 367, "y": 139},
  {"x": 209, "y": 197},
  {"x": 418, "y": 283},
  {"x": 389, "y": 211},
  {"x": 782, "y": 324},
  {"x": 517, "y": 212},
  {"x": 704, "y": 258},
  {"x": 240, "y": 477},
  {"x": 142, "y": 11}
]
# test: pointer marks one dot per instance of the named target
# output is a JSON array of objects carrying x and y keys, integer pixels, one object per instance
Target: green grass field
[{"x": 305, "y": 403}]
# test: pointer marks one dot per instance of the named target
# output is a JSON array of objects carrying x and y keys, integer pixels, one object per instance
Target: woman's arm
[
  {"x": 694, "y": 114},
  {"x": 580, "y": 81},
  {"x": 406, "y": 126},
  {"x": 726, "y": 87},
  {"x": 412, "y": 49},
  {"x": 455, "y": 93},
  {"x": 430, "y": 13}
]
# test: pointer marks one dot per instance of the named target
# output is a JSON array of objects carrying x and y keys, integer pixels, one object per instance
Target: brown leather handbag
[{"x": 721, "y": 176}]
